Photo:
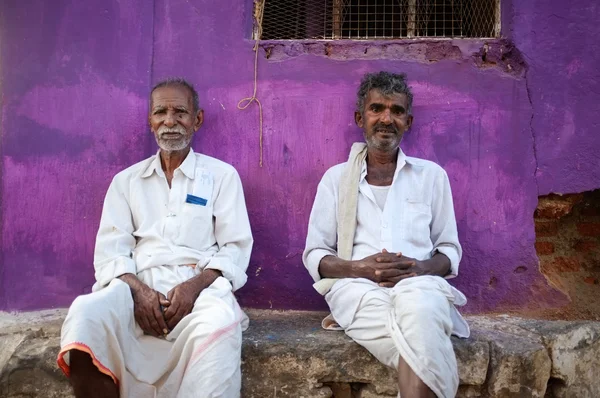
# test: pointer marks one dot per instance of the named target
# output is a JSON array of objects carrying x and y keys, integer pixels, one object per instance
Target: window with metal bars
[{"x": 376, "y": 19}]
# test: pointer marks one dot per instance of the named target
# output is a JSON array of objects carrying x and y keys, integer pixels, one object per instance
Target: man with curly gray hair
[{"x": 382, "y": 240}]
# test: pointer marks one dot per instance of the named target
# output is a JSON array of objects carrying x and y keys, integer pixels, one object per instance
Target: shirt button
[{"x": 171, "y": 215}]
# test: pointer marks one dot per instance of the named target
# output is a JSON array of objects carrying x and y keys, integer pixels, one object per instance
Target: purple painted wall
[{"x": 75, "y": 78}]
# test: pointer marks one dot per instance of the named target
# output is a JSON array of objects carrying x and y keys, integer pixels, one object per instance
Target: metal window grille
[{"x": 377, "y": 19}]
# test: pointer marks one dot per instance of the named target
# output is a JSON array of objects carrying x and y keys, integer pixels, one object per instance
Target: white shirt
[
  {"x": 145, "y": 224},
  {"x": 417, "y": 219}
]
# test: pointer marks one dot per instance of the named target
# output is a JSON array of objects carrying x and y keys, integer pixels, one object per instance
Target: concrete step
[{"x": 287, "y": 354}]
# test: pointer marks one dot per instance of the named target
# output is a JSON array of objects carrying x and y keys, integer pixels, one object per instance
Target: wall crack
[{"x": 532, "y": 132}]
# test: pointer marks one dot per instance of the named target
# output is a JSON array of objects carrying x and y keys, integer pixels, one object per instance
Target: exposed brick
[
  {"x": 585, "y": 246},
  {"x": 590, "y": 280},
  {"x": 544, "y": 248},
  {"x": 589, "y": 229},
  {"x": 562, "y": 264},
  {"x": 546, "y": 228},
  {"x": 554, "y": 206}
]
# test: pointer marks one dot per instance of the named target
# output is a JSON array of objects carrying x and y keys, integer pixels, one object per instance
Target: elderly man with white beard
[{"x": 173, "y": 245}]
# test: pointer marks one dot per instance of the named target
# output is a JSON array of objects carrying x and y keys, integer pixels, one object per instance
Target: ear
[
  {"x": 150, "y": 123},
  {"x": 358, "y": 119},
  {"x": 409, "y": 122},
  {"x": 199, "y": 119}
]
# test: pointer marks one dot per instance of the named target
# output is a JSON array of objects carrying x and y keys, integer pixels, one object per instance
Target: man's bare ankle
[{"x": 87, "y": 381}]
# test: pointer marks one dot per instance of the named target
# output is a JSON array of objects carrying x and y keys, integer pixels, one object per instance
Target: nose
[
  {"x": 386, "y": 117},
  {"x": 169, "y": 119}
]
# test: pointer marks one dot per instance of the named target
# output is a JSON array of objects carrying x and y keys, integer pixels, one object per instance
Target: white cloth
[
  {"x": 417, "y": 220},
  {"x": 380, "y": 194},
  {"x": 200, "y": 357},
  {"x": 413, "y": 320},
  {"x": 145, "y": 224},
  {"x": 348, "y": 201}
]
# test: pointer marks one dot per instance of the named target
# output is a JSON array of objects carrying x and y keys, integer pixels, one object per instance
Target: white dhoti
[
  {"x": 200, "y": 357},
  {"x": 413, "y": 320}
]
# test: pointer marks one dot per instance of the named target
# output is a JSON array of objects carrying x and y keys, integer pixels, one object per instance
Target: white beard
[{"x": 171, "y": 145}]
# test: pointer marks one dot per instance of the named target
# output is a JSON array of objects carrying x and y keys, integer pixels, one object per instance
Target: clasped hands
[
  {"x": 157, "y": 314},
  {"x": 387, "y": 269}
]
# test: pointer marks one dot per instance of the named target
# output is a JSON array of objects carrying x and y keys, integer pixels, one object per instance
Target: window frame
[{"x": 258, "y": 10}]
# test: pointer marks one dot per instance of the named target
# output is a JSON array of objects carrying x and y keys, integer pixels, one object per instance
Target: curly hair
[{"x": 387, "y": 83}]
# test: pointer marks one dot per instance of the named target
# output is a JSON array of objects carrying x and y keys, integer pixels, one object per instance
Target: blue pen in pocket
[{"x": 195, "y": 200}]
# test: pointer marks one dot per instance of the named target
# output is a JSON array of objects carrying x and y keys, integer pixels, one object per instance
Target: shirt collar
[
  {"x": 401, "y": 161},
  {"x": 187, "y": 167}
]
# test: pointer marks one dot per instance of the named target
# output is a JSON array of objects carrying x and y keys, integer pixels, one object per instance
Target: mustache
[
  {"x": 389, "y": 128},
  {"x": 166, "y": 130}
]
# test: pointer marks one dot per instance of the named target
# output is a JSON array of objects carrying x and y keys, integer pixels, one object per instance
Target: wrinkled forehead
[
  {"x": 377, "y": 96},
  {"x": 171, "y": 96}
]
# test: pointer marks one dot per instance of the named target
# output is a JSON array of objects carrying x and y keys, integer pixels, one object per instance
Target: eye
[
  {"x": 398, "y": 110},
  {"x": 376, "y": 108},
  {"x": 159, "y": 112}
]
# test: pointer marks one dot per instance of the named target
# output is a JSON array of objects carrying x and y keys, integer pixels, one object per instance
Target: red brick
[
  {"x": 554, "y": 207},
  {"x": 590, "y": 280},
  {"x": 563, "y": 264},
  {"x": 589, "y": 229},
  {"x": 585, "y": 246},
  {"x": 544, "y": 248},
  {"x": 546, "y": 228}
]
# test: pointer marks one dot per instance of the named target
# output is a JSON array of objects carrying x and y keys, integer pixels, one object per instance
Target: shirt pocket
[
  {"x": 196, "y": 226},
  {"x": 417, "y": 219}
]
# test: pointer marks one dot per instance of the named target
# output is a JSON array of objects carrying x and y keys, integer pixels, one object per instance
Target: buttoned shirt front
[
  {"x": 201, "y": 220},
  {"x": 417, "y": 219}
]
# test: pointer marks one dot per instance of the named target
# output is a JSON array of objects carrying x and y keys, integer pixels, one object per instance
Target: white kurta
[
  {"x": 417, "y": 219},
  {"x": 166, "y": 237},
  {"x": 416, "y": 317},
  {"x": 145, "y": 224}
]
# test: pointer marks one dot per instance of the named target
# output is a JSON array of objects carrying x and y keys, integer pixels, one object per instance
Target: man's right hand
[
  {"x": 385, "y": 268},
  {"x": 147, "y": 304}
]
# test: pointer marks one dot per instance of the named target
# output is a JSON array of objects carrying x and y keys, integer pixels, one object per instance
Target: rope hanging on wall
[{"x": 245, "y": 102}]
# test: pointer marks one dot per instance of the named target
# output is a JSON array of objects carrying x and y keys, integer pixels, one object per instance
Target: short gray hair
[
  {"x": 179, "y": 82},
  {"x": 387, "y": 83}
]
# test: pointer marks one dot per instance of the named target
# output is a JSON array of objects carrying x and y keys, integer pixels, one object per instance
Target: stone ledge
[{"x": 287, "y": 354}]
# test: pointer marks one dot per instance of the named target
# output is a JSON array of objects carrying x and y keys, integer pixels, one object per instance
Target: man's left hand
[
  {"x": 438, "y": 265},
  {"x": 183, "y": 296},
  {"x": 417, "y": 268}
]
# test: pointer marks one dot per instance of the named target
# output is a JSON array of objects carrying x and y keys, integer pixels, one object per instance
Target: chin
[
  {"x": 384, "y": 145},
  {"x": 172, "y": 146}
]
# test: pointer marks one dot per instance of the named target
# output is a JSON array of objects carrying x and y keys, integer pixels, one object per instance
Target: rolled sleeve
[
  {"x": 230, "y": 271},
  {"x": 313, "y": 259},
  {"x": 114, "y": 269},
  {"x": 444, "y": 234},
  {"x": 452, "y": 254},
  {"x": 321, "y": 239},
  {"x": 115, "y": 241},
  {"x": 232, "y": 232}
]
